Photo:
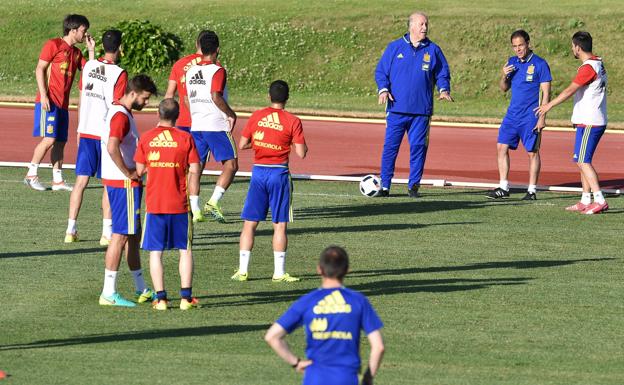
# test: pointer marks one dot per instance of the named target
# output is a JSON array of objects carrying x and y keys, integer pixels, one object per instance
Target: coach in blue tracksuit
[{"x": 405, "y": 76}]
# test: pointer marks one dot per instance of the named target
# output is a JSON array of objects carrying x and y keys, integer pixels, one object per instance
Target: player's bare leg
[
  {"x": 535, "y": 165},
  {"x": 246, "y": 244},
  {"x": 185, "y": 268},
  {"x": 591, "y": 179},
  {"x": 133, "y": 258},
  {"x": 280, "y": 244},
  {"x": 107, "y": 220},
  {"x": 157, "y": 272},
  {"x": 32, "y": 178},
  {"x": 502, "y": 157},
  {"x": 75, "y": 202},
  {"x": 56, "y": 157},
  {"x": 230, "y": 167}
]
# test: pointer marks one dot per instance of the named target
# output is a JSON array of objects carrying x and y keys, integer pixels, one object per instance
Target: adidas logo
[
  {"x": 98, "y": 73},
  {"x": 89, "y": 87},
  {"x": 400, "y": 56},
  {"x": 153, "y": 156},
  {"x": 193, "y": 94},
  {"x": 164, "y": 139},
  {"x": 258, "y": 135},
  {"x": 318, "y": 325},
  {"x": 271, "y": 121},
  {"x": 332, "y": 304},
  {"x": 198, "y": 78}
]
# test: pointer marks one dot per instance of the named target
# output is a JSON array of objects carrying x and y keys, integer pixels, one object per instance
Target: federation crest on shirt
[
  {"x": 530, "y": 72},
  {"x": 426, "y": 61}
]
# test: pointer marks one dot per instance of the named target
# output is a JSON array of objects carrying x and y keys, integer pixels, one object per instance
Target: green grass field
[
  {"x": 328, "y": 51},
  {"x": 471, "y": 291}
]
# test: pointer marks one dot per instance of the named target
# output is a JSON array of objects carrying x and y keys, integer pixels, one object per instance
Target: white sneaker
[
  {"x": 33, "y": 183},
  {"x": 61, "y": 186}
]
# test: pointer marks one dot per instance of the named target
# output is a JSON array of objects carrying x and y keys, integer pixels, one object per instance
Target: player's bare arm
[
  {"x": 563, "y": 96},
  {"x": 40, "y": 71},
  {"x": 275, "y": 338},
  {"x": 445, "y": 95},
  {"x": 172, "y": 86},
  {"x": 219, "y": 101},
  {"x": 505, "y": 82},
  {"x": 545, "y": 91},
  {"x": 384, "y": 96},
  {"x": 244, "y": 143},
  {"x": 140, "y": 169},
  {"x": 301, "y": 149},
  {"x": 195, "y": 170},
  {"x": 90, "y": 42},
  {"x": 376, "y": 355},
  {"x": 113, "y": 150}
]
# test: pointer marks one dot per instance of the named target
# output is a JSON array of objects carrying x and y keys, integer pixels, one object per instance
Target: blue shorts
[
  {"x": 511, "y": 132},
  {"x": 329, "y": 375},
  {"x": 125, "y": 205},
  {"x": 51, "y": 124},
  {"x": 219, "y": 143},
  {"x": 89, "y": 158},
  {"x": 166, "y": 232},
  {"x": 185, "y": 128},
  {"x": 587, "y": 138},
  {"x": 270, "y": 187}
]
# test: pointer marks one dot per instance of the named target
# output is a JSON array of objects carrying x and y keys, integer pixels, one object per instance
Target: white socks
[
  {"x": 217, "y": 195},
  {"x": 57, "y": 176},
  {"x": 504, "y": 184},
  {"x": 243, "y": 261},
  {"x": 107, "y": 228},
  {"x": 32, "y": 169},
  {"x": 110, "y": 283},
  {"x": 532, "y": 189},
  {"x": 71, "y": 226},
  {"x": 599, "y": 198},
  {"x": 586, "y": 198},
  {"x": 279, "y": 259},
  {"x": 194, "y": 199},
  {"x": 139, "y": 283}
]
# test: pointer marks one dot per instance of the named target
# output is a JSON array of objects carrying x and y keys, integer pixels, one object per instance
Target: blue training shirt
[
  {"x": 332, "y": 319},
  {"x": 410, "y": 72},
  {"x": 525, "y": 86}
]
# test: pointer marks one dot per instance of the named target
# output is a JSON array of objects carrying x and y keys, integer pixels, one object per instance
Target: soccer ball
[{"x": 370, "y": 185}]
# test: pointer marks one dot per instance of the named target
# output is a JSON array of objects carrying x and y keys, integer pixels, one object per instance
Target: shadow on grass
[
  {"x": 135, "y": 336},
  {"x": 384, "y": 287},
  {"x": 47, "y": 253}
]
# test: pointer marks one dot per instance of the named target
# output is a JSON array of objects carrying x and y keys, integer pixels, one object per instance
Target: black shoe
[
  {"x": 497, "y": 193},
  {"x": 530, "y": 196},
  {"x": 383, "y": 193},
  {"x": 413, "y": 192}
]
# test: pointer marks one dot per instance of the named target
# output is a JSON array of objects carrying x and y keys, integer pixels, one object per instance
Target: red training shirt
[
  {"x": 167, "y": 153},
  {"x": 178, "y": 74},
  {"x": 586, "y": 74},
  {"x": 271, "y": 132},
  {"x": 64, "y": 61}
]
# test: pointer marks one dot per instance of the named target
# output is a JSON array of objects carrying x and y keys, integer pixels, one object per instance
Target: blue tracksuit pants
[{"x": 417, "y": 128}]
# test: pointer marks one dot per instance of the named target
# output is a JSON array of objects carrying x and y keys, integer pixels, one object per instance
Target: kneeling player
[
  {"x": 166, "y": 154},
  {"x": 270, "y": 132},
  {"x": 332, "y": 317}
]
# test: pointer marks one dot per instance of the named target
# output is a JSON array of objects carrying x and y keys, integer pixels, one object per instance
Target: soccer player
[
  {"x": 212, "y": 121},
  {"x": 526, "y": 74},
  {"x": 167, "y": 154},
  {"x": 123, "y": 186},
  {"x": 271, "y": 132},
  {"x": 58, "y": 62},
  {"x": 589, "y": 117},
  {"x": 332, "y": 317},
  {"x": 102, "y": 82}
]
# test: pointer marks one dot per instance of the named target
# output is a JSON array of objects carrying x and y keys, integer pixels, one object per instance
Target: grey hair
[{"x": 417, "y": 13}]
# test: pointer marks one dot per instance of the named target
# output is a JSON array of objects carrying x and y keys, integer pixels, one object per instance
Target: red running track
[{"x": 336, "y": 148}]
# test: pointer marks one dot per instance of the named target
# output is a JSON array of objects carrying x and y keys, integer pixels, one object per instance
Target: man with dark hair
[
  {"x": 405, "y": 75},
  {"x": 124, "y": 188},
  {"x": 102, "y": 83},
  {"x": 58, "y": 62},
  {"x": 332, "y": 317},
  {"x": 271, "y": 132},
  {"x": 168, "y": 156},
  {"x": 212, "y": 120},
  {"x": 589, "y": 117},
  {"x": 526, "y": 74}
]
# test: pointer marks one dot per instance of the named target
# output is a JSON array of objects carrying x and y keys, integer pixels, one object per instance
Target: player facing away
[
  {"x": 526, "y": 74},
  {"x": 124, "y": 189},
  {"x": 168, "y": 156},
  {"x": 332, "y": 317},
  {"x": 102, "y": 82},
  {"x": 212, "y": 122},
  {"x": 589, "y": 117},
  {"x": 57, "y": 65},
  {"x": 271, "y": 132}
]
